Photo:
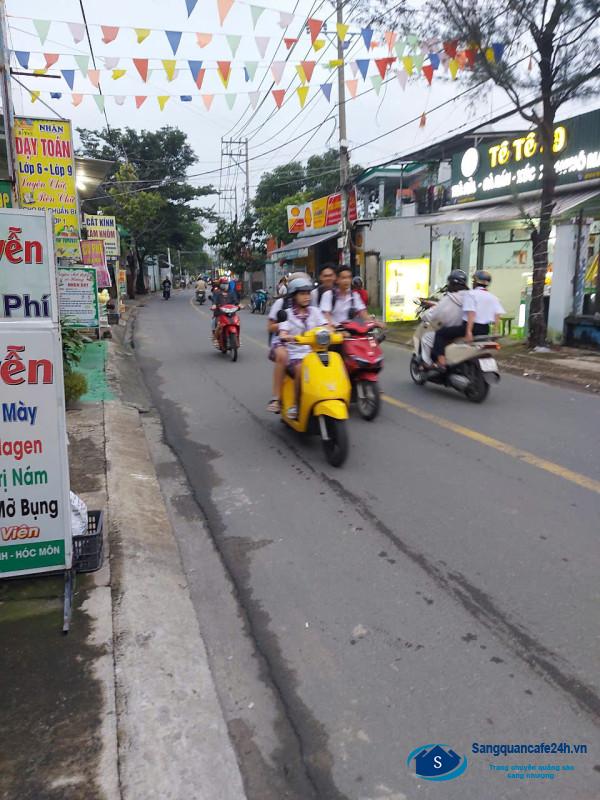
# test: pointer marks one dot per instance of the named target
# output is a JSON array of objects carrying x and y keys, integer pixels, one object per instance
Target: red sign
[{"x": 92, "y": 255}]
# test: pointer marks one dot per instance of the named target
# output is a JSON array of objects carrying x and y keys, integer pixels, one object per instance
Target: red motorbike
[
  {"x": 227, "y": 332},
  {"x": 363, "y": 359}
]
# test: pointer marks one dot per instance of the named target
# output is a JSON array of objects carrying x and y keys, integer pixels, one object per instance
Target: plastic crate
[{"x": 88, "y": 549}]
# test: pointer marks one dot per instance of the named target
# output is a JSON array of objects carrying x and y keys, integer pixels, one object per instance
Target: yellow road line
[
  {"x": 481, "y": 438},
  {"x": 501, "y": 447}
]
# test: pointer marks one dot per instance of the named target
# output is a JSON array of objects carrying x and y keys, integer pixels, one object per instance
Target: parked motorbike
[
  {"x": 324, "y": 395},
  {"x": 470, "y": 366},
  {"x": 227, "y": 332},
  {"x": 258, "y": 301},
  {"x": 200, "y": 296},
  {"x": 363, "y": 358}
]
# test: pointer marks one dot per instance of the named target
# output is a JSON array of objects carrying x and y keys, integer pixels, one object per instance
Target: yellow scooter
[{"x": 324, "y": 394}]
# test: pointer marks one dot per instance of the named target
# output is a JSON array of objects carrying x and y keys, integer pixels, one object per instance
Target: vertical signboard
[
  {"x": 78, "y": 296},
  {"x": 406, "y": 280},
  {"x": 34, "y": 470},
  {"x": 46, "y": 176},
  {"x": 93, "y": 255},
  {"x": 104, "y": 227}
]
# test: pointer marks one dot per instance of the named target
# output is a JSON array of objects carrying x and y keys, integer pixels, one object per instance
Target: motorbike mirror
[{"x": 282, "y": 315}]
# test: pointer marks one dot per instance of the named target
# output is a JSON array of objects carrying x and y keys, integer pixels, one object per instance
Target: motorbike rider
[
  {"x": 327, "y": 277},
  {"x": 301, "y": 317},
  {"x": 222, "y": 297},
  {"x": 446, "y": 313},
  {"x": 201, "y": 284},
  {"x": 357, "y": 286},
  {"x": 480, "y": 309},
  {"x": 342, "y": 303},
  {"x": 166, "y": 284}
]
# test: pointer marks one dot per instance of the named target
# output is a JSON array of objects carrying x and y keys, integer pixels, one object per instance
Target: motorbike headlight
[{"x": 323, "y": 338}]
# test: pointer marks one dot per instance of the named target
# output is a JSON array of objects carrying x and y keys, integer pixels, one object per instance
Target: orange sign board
[{"x": 320, "y": 213}]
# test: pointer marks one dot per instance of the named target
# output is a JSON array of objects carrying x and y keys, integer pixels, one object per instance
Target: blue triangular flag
[
  {"x": 498, "y": 49},
  {"x": 434, "y": 60},
  {"x": 367, "y": 34},
  {"x": 195, "y": 67},
  {"x": 69, "y": 76},
  {"x": 56, "y": 95},
  {"x": 363, "y": 66},
  {"x": 23, "y": 58},
  {"x": 326, "y": 89},
  {"x": 174, "y": 38},
  {"x": 186, "y": 98},
  {"x": 190, "y": 5}
]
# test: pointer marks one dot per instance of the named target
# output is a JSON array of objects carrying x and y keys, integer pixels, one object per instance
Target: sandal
[
  {"x": 292, "y": 413},
  {"x": 274, "y": 406}
]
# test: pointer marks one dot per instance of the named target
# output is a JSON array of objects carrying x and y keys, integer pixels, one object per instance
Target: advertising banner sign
[
  {"x": 406, "y": 280},
  {"x": 27, "y": 285},
  {"x": 5, "y": 195},
  {"x": 104, "y": 227},
  {"x": 78, "y": 296},
  {"x": 92, "y": 255},
  {"x": 35, "y": 527},
  {"x": 320, "y": 213},
  {"x": 46, "y": 175}
]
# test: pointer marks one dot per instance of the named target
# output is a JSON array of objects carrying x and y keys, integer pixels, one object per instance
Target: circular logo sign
[{"x": 469, "y": 162}]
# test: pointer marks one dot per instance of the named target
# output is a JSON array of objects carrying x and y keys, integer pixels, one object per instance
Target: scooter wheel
[
  {"x": 368, "y": 400},
  {"x": 478, "y": 388},
  {"x": 415, "y": 373},
  {"x": 233, "y": 347},
  {"x": 336, "y": 446}
]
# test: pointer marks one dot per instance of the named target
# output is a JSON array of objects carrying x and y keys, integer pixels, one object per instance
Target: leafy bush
[
  {"x": 73, "y": 342},
  {"x": 75, "y": 385}
]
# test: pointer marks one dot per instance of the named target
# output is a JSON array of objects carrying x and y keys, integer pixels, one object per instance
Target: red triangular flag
[
  {"x": 141, "y": 64},
  {"x": 224, "y": 68},
  {"x": 139, "y": 100},
  {"x": 109, "y": 33},
  {"x": 309, "y": 68},
  {"x": 51, "y": 58},
  {"x": 423, "y": 121},
  {"x": 278, "y": 95},
  {"x": 289, "y": 43},
  {"x": 383, "y": 64},
  {"x": 451, "y": 47},
  {"x": 428, "y": 72},
  {"x": 200, "y": 78},
  {"x": 470, "y": 55},
  {"x": 314, "y": 26}
]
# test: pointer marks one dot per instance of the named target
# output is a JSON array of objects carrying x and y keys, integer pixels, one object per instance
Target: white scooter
[{"x": 470, "y": 368}]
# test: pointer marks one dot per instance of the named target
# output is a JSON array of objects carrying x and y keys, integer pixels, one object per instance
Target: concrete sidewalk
[{"x": 124, "y": 707}]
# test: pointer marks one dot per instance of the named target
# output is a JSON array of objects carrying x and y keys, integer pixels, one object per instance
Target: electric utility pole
[
  {"x": 344, "y": 160},
  {"x": 234, "y": 156},
  {"x": 7, "y": 105}
]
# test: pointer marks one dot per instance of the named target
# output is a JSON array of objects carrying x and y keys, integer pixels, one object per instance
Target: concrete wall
[
  {"x": 561, "y": 295},
  {"x": 392, "y": 238}
]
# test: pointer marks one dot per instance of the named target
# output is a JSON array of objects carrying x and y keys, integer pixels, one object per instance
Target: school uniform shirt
[
  {"x": 485, "y": 305},
  {"x": 340, "y": 312},
  {"x": 295, "y": 325},
  {"x": 274, "y": 310}
]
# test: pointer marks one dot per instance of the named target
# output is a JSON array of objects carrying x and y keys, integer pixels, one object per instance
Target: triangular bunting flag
[
  {"x": 195, "y": 69},
  {"x": 434, "y": 60},
  {"x": 498, "y": 49},
  {"x": 162, "y": 100},
  {"x": 39, "y": 71},
  {"x": 342, "y": 30},
  {"x": 76, "y": 99},
  {"x": 301, "y": 73},
  {"x": 234, "y": 43},
  {"x": 451, "y": 47},
  {"x": 56, "y": 95},
  {"x": 51, "y": 58},
  {"x": 120, "y": 99},
  {"x": 326, "y": 89},
  {"x": 309, "y": 68},
  {"x": 169, "y": 66},
  {"x": 99, "y": 100},
  {"x": 354, "y": 69},
  {"x": 77, "y": 30},
  {"x": 174, "y": 38},
  {"x": 109, "y": 33},
  {"x": 185, "y": 98},
  {"x": 256, "y": 12},
  {"x": 278, "y": 95},
  {"x": 140, "y": 99},
  {"x": 253, "y": 98},
  {"x": 111, "y": 62},
  {"x": 285, "y": 19},
  {"x": 428, "y": 72},
  {"x": 383, "y": 64},
  {"x": 363, "y": 66},
  {"x": 250, "y": 67},
  {"x": 262, "y": 42},
  {"x": 423, "y": 120},
  {"x": 367, "y": 35},
  {"x": 377, "y": 82},
  {"x": 42, "y": 27},
  {"x": 408, "y": 64},
  {"x": 141, "y": 64},
  {"x": 203, "y": 39},
  {"x": 34, "y": 94},
  {"x": 352, "y": 87},
  {"x": 336, "y": 62},
  {"x": 390, "y": 38},
  {"x": 142, "y": 34},
  {"x": 412, "y": 40},
  {"x": 118, "y": 73},
  {"x": 462, "y": 59},
  {"x": 69, "y": 76},
  {"x": 94, "y": 77},
  {"x": 289, "y": 43},
  {"x": 314, "y": 26},
  {"x": 230, "y": 100},
  {"x": 400, "y": 48},
  {"x": 319, "y": 44},
  {"x": 277, "y": 68},
  {"x": 302, "y": 94},
  {"x": 402, "y": 79},
  {"x": 207, "y": 99},
  {"x": 453, "y": 65},
  {"x": 83, "y": 64},
  {"x": 224, "y": 71},
  {"x": 22, "y": 57},
  {"x": 489, "y": 54},
  {"x": 190, "y": 5},
  {"x": 471, "y": 55},
  {"x": 418, "y": 60},
  {"x": 224, "y": 7}
]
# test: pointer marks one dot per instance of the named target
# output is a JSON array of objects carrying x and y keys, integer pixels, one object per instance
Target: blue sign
[{"x": 436, "y": 762}]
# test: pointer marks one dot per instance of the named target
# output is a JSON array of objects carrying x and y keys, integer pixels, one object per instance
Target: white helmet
[{"x": 299, "y": 285}]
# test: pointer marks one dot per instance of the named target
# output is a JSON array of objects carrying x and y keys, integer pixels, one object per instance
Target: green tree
[
  {"x": 272, "y": 219},
  {"x": 240, "y": 244},
  {"x": 279, "y": 183}
]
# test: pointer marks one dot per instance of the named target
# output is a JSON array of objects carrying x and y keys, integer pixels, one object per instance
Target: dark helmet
[
  {"x": 457, "y": 280},
  {"x": 357, "y": 282},
  {"x": 482, "y": 278}
]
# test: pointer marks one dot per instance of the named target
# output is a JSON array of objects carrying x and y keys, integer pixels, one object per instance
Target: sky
[{"x": 275, "y": 136}]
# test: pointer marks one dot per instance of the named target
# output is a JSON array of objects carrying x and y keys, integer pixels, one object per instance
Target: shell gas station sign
[{"x": 320, "y": 213}]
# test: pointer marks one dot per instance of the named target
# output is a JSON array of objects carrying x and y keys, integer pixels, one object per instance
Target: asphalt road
[{"x": 442, "y": 587}]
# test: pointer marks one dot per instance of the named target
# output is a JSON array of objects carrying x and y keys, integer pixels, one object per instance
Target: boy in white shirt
[{"x": 342, "y": 303}]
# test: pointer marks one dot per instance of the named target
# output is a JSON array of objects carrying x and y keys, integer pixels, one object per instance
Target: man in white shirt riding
[
  {"x": 446, "y": 313},
  {"x": 341, "y": 304},
  {"x": 327, "y": 276}
]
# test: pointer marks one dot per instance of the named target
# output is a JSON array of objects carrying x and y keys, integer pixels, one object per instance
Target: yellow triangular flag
[
  {"x": 118, "y": 73},
  {"x": 342, "y": 30},
  {"x": 169, "y": 65},
  {"x": 40, "y": 71},
  {"x": 302, "y": 94},
  {"x": 453, "y": 67},
  {"x": 34, "y": 95},
  {"x": 489, "y": 54},
  {"x": 337, "y": 62},
  {"x": 409, "y": 64},
  {"x": 142, "y": 33},
  {"x": 318, "y": 44},
  {"x": 162, "y": 100},
  {"x": 301, "y": 73}
]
